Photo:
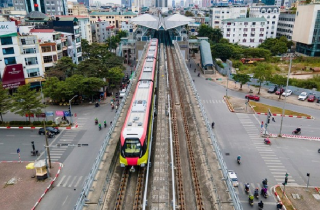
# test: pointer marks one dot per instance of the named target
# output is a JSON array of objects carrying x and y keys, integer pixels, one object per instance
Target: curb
[
  {"x": 32, "y": 128},
  {"x": 290, "y": 136},
  {"x": 228, "y": 104},
  {"x": 51, "y": 183},
  {"x": 16, "y": 161},
  {"x": 286, "y": 115},
  {"x": 279, "y": 199}
]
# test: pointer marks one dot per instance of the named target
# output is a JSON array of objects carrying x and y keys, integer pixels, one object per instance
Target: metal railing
[
  {"x": 224, "y": 169},
  {"x": 89, "y": 180}
]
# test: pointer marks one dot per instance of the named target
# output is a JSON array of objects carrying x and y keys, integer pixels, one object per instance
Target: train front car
[{"x": 136, "y": 130}]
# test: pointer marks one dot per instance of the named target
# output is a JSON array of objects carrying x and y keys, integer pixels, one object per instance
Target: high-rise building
[
  {"x": 6, "y": 3},
  {"x": 286, "y": 24},
  {"x": 49, "y": 7},
  {"x": 85, "y": 2},
  {"x": 217, "y": 14},
  {"x": 161, "y": 3}
]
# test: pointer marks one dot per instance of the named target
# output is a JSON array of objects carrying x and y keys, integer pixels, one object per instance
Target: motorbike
[
  {"x": 238, "y": 161},
  {"x": 251, "y": 202},
  {"x": 99, "y": 127},
  {"x": 279, "y": 206},
  {"x": 246, "y": 189},
  {"x": 267, "y": 141},
  {"x": 296, "y": 131},
  {"x": 260, "y": 205},
  {"x": 50, "y": 135},
  {"x": 198, "y": 74},
  {"x": 318, "y": 150},
  {"x": 105, "y": 125},
  {"x": 35, "y": 153},
  {"x": 97, "y": 104},
  {"x": 250, "y": 91},
  {"x": 256, "y": 194}
]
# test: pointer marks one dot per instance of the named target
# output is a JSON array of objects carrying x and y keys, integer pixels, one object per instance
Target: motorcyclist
[
  {"x": 96, "y": 120},
  {"x": 279, "y": 205},
  {"x": 239, "y": 157},
  {"x": 198, "y": 74},
  {"x": 265, "y": 181},
  {"x": 99, "y": 126},
  {"x": 246, "y": 186},
  {"x": 260, "y": 204},
  {"x": 298, "y": 130},
  {"x": 256, "y": 192},
  {"x": 264, "y": 192},
  {"x": 212, "y": 124},
  {"x": 105, "y": 123},
  {"x": 251, "y": 198}
]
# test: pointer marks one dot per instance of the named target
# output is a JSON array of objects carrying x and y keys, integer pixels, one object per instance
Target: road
[{"x": 238, "y": 134}]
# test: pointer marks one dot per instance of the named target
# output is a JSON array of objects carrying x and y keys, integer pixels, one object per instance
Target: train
[{"x": 136, "y": 130}]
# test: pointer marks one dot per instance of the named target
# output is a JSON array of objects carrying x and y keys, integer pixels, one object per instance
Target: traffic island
[
  {"x": 229, "y": 105},
  {"x": 298, "y": 197},
  {"x": 240, "y": 105},
  {"x": 20, "y": 187}
]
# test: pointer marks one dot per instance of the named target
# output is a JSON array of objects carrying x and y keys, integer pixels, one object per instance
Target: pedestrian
[
  {"x": 110, "y": 123},
  {"x": 116, "y": 107},
  {"x": 273, "y": 120}
]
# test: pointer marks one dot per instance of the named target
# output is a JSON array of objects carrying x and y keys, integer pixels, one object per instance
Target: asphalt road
[{"x": 238, "y": 134}]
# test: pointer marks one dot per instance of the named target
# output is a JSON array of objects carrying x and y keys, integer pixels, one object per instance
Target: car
[
  {"x": 311, "y": 98},
  {"x": 287, "y": 93},
  {"x": 122, "y": 93},
  {"x": 234, "y": 179},
  {"x": 50, "y": 129},
  {"x": 272, "y": 89},
  {"x": 280, "y": 91},
  {"x": 303, "y": 96},
  {"x": 252, "y": 97}
]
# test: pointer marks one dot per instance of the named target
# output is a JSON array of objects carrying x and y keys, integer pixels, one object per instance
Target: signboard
[
  {"x": 8, "y": 29},
  {"x": 67, "y": 113},
  {"x": 30, "y": 114},
  {"x": 59, "y": 113},
  {"x": 41, "y": 115},
  {"x": 49, "y": 113},
  {"x": 13, "y": 76}
]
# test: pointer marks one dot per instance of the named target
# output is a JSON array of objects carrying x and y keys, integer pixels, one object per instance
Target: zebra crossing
[
  {"x": 269, "y": 157},
  {"x": 70, "y": 181},
  {"x": 253, "y": 186},
  {"x": 67, "y": 137},
  {"x": 213, "y": 101},
  {"x": 81, "y": 121}
]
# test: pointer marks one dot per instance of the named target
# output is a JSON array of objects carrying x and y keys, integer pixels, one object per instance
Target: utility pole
[
  {"x": 227, "y": 82},
  {"x": 308, "y": 175},
  {"x": 47, "y": 145}
]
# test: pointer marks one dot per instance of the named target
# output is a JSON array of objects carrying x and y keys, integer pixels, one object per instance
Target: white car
[
  {"x": 303, "y": 96},
  {"x": 122, "y": 93},
  {"x": 233, "y": 177},
  {"x": 287, "y": 93}
]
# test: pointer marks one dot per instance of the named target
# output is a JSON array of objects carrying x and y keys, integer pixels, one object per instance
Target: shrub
[
  {"x": 219, "y": 63},
  {"x": 37, "y": 123},
  {"x": 19, "y": 123},
  {"x": 49, "y": 122}
]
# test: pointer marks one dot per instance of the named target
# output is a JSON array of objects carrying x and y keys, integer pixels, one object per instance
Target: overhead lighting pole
[{"x": 70, "y": 108}]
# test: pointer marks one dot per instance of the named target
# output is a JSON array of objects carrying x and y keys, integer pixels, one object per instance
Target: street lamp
[
  {"x": 70, "y": 107},
  {"x": 285, "y": 98}
]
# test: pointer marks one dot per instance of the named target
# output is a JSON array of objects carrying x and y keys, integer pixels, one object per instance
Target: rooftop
[{"x": 42, "y": 31}]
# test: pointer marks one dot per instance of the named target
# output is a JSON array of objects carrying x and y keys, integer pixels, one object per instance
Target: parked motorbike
[
  {"x": 318, "y": 150},
  {"x": 297, "y": 131},
  {"x": 238, "y": 161},
  {"x": 35, "y": 153},
  {"x": 267, "y": 141}
]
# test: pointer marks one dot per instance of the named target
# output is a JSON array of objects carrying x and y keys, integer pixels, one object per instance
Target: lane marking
[
  {"x": 78, "y": 181},
  {"x": 61, "y": 180},
  {"x": 65, "y": 184},
  {"x": 72, "y": 181}
]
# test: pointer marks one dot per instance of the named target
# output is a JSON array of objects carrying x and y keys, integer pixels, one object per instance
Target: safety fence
[
  {"x": 224, "y": 169},
  {"x": 89, "y": 180}
]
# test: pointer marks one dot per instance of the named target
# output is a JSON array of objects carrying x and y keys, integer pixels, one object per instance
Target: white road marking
[
  {"x": 78, "y": 181},
  {"x": 61, "y": 180},
  {"x": 274, "y": 163},
  {"x": 65, "y": 184},
  {"x": 65, "y": 200},
  {"x": 72, "y": 181},
  {"x": 276, "y": 167}
]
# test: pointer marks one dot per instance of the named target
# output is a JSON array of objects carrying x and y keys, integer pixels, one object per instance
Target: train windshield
[{"x": 132, "y": 147}]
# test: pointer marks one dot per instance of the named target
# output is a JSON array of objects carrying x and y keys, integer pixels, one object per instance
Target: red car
[
  {"x": 253, "y": 97},
  {"x": 278, "y": 92},
  {"x": 311, "y": 98}
]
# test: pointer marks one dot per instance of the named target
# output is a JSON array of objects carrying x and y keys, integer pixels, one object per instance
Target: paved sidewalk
[{"x": 25, "y": 193}]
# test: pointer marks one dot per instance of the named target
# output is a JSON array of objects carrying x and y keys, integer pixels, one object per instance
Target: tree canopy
[
  {"x": 26, "y": 101},
  {"x": 4, "y": 101},
  {"x": 214, "y": 34},
  {"x": 241, "y": 78},
  {"x": 189, "y": 14},
  {"x": 276, "y": 46},
  {"x": 262, "y": 72},
  {"x": 62, "y": 69}
]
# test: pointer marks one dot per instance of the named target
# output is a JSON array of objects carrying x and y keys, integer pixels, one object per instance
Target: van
[{"x": 122, "y": 93}]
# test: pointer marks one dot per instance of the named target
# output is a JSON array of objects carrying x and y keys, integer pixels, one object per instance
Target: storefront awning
[
  {"x": 13, "y": 76},
  {"x": 34, "y": 79}
]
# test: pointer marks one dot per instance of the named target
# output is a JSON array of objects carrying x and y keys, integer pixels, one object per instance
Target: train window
[{"x": 132, "y": 147}]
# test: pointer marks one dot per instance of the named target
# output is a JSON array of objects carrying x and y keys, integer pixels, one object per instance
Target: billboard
[
  {"x": 8, "y": 28},
  {"x": 13, "y": 76}
]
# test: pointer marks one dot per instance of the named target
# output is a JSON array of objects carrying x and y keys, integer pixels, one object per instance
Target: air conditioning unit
[{"x": 23, "y": 34}]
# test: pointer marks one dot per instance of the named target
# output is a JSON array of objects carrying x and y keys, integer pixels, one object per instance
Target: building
[
  {"x": 113, "y": 18},
  {"x": 125, "y": 26},
  {"x": 77, "y": 9},
  {"x": 269, "y": 2},
  {"x": 271, "y": 14},
  {"x": 49, "y": 7},
  {"x": 248, "y": 32},
  {"x": 6, "y": 3},
  {"x": 86, "y": 3},
  {"x": 20, "y": 58},
  {"x": 286, "y": 24},
  {"x": 308, "y": 42},
  {"x": 161, "y": 3},
  {"x": 102, "y": 31},
  {"x": 217, "y": 14}
]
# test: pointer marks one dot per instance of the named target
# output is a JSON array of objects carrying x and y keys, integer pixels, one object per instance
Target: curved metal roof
[
  {"x": 205, "y": 50},
  {"x": 157, "y": 23}
]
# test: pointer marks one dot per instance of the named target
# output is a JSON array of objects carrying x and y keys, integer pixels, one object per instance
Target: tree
[
  {"x": 189, "y": 14},
  {"x": 241, "y": 78},
  {"x": 4, "y": 101},
  {"x": 91, "y": 67},
  {"x": 115, "y": 75},
  {"x": 278, "y": 80},
  {"x": 62, "y": 69},
  {"x": 276, "y": 45},
  {"x": 216, "y": 35},
  {"x": 26, "y": 101},
  {"x": 222, "y": 51},
  {"x": 262, "y": 72},
  {"x": 85, "y": 49}
]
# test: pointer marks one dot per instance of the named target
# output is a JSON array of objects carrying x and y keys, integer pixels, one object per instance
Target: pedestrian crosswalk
[
  {"x": 70, "y": 181},
  {"x": 213, "y": 101},
  {"x": 266, "y": 152},
  {"x": 66, "y": 137},
  {"x": 253, "y": 186},
  {"x": 81, "y": 121}
]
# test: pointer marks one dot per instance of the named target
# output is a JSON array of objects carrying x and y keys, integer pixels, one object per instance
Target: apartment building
[
  {"x": 125, "y": 26},
  {"x": 49, "y": 7},
  {"x": 248, "y": 32},
  {"x": 217, "y": 14},
  {"x": 76, "y": 9},
  {"x": 271, "y": 14},
  {"x": 113, "y": 18},
  {"x": 102, "y": 31},
  {"x": 286, "y": 24},
  {"x": 308, "y": 42},
  {"x": 20, "y": 58}
]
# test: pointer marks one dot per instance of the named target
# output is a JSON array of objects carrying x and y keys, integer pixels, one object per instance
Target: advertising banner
[
  {"x": 8, "y": 29},
  {"x": 49, "y": 113},
  {"x": 13, "y": 76}
]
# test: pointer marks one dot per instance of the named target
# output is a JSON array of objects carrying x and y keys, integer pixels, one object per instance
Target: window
[
  {"x": 244, "y": 40},
  {"x": 79, "y": 49},
  {"x": 261, "y": 29},
  {"x": 245, "y": 29},
  {"x": 228, "y": 29},
  {"x": 47, "y": 59},
  {"x": 253, "y": 23},
  {"x": 8, "y": 51},
  {"x": 260, "y": 40},
  {"x": 273, "y": 22},
  {"x": 47, "y": 68},
  {"x": 58, "y": 46},
  {"x": 245, "y": 23},
  {"x": 244, "y": 35},
  {"x": 29, "y": 50},
  {"x": 46, "y": 49},
  {"x": 251, "y": 40},
  {"x": 6, "y": 40},
  {"x": 252, "y": 29},
  {"x": 31, "y": 61},
  {"x": 78, "y": 40},
  {"x": 10, "y": 60},
  {"x": 35, "y": 72}
]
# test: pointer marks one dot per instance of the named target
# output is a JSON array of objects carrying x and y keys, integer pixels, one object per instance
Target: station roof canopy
[{"x": 157, "y": 23}]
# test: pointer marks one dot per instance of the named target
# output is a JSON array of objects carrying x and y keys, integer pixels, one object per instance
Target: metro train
[{"x": 136, "y": 130}]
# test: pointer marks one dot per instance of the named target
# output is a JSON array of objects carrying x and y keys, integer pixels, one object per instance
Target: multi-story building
[
  {"x": 217, "y": 14},
  {"x": 102, "y": 31},
  {"x": 76, "y": 9},
  {"x": 20, "y": 58},
  {"x": 286, "y": 24},
  {"x": 6, "y": 3},
  {"x": 308, "y": 42},
  {"x": 245, "y": 31},
  {"x": 86, "y": 3},
  {"x": 271, "y": 13},
  {"x": 49, "y": 7},
  {"x": 125, "y": 26},
  {"x": 113, "y": 18}
]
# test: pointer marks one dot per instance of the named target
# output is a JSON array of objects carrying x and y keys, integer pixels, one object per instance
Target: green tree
[
  {"x": 85, "y": 48},
  {"x": 115, "y": 75},
  {"x": 91, "y": 67},
  {"x": 216, "y": 35},
  {"x": 222, "y": 51},
  {"x": 92, "y": 85},
  {"x": 189, "y": 14},
  {"x": 262, "y": 72},
  {"x": 278, "y": 80},
  {"x": 224, "y": 41},
  {"x": 26, "y": 101},
  {"x": 241, "y": 78},
  {"x": 5, "y": 102},
  {"x": 62, "y": 69}
]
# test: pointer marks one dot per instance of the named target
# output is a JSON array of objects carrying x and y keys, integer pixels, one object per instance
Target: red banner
[
  {"x": 41, "y": 115},
  {"x": 31, "y": 115}
]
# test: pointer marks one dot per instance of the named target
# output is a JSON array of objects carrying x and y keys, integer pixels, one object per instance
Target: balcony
[{"x": 31, "y": 61}]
